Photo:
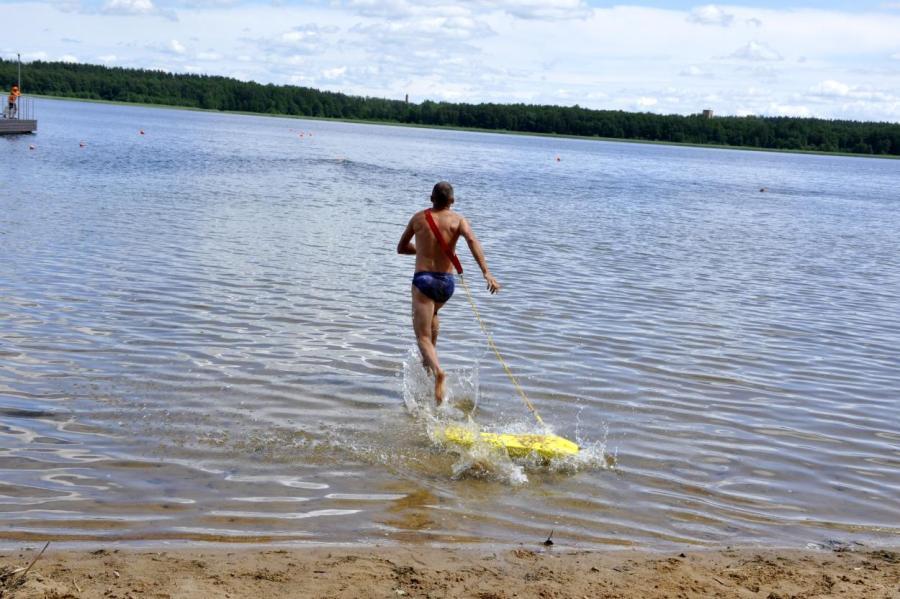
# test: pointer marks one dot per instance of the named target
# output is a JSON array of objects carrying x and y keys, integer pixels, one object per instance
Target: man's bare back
[
  {"x": 430, "y": 257},
  {"x": 433, "y": 282}
]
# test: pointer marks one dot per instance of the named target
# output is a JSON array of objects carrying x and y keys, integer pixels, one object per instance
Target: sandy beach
[{"x": 486, "y": 573}]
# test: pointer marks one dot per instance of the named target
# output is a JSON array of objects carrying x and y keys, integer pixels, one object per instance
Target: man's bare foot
[{"x": 439, "y": 387}]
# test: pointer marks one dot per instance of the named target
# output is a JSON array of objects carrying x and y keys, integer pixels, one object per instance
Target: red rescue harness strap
[{"x": 442, "y": 243}]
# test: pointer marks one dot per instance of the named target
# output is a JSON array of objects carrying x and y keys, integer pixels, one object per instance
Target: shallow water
[{"x": 205, "y": 336}]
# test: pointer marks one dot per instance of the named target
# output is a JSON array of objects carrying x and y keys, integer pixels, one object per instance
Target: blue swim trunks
[{"x": 438, "y": 286}]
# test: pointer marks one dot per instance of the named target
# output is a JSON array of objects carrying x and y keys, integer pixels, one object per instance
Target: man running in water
[{"x": 433, "y": 282}]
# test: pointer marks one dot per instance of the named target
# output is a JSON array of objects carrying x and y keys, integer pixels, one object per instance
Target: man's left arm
[
  {"x": 406, "y": 246},
  {"x": 475, "y": 247}
]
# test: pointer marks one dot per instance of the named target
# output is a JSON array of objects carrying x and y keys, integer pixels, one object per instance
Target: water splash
[{"x": 481, "y": 459}]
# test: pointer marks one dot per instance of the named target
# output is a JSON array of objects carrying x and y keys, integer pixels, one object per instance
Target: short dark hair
[{"x": 442, "y": 195}]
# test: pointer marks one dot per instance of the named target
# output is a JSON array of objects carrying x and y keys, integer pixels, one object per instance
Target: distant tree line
[{"x": 222, "y": 93}]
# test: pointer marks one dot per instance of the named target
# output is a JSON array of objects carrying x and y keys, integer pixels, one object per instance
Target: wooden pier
[
  {"x": 15, "y": 126},
  {"x": 23, "y": 120}
]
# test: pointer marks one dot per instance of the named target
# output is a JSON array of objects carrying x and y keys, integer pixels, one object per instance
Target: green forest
[{"x": 222, "y": 93}]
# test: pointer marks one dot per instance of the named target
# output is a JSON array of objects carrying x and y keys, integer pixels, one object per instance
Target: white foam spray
[{"x": 482, "y": 460}]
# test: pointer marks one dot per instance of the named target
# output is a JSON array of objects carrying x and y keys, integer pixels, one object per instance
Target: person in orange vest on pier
[{"x": 12, "y": 108}]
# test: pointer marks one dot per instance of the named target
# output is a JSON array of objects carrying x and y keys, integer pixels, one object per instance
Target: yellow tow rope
[{"x": 493, "y": 346}]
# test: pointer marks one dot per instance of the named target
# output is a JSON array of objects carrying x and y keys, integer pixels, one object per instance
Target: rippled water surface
[{"x": 206, "y": 336}]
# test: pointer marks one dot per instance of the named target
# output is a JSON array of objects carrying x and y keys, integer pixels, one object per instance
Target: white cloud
[
  {"x": 872, "y": 111},
  {"x": 176, "y": 47},
  {"x": 207, "y": 3},
  {"x": 29, "y": 56},
  {"x": 306, "y": 33},
  {"x": 756, "y": 92},
  {"x": 128, "y": 7},
  {"x": 776, "y": 109},
  {"x": 543, "y": 10},
  {"x": 301, "y": 40},
  {"x": 132, "y": 8},
  {"x": 68, "y": 58},
  {"x": 756, "y": 51},
  {"x": 694, "y": 71},
  {"x": 831, "y": 88},
  {"x": 335, "y": 73},
  {"x": 405, "y": 9},
  {"x": 425, "y": 30},
  {"x": 107, "y": 58},
  {"x": 299, "y": 80},
  {"x": 646, "y": 102},
  {"x": 896, "y": 56},
  {"x": 711, "y": 15}
]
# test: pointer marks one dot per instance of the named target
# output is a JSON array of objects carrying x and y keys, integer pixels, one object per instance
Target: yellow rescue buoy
[{"x": 547, "y": 446}]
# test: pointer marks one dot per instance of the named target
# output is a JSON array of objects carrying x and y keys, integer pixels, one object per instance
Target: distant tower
[
  {"x": 708, "y": 113},
  {"x": 407, "y": 99}
]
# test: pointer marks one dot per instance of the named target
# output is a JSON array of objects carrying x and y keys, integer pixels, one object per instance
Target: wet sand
[{"x": 484, "y": 573}]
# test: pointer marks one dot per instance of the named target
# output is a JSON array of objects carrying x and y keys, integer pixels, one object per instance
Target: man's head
[
  {"x": 442, "y": 195},
  {"x": 15, "y": 88}
]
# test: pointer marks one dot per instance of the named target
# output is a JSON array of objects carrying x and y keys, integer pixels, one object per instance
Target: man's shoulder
[
  {"x": 418, "y": 218},
  {"x": 453, "y": 218}
]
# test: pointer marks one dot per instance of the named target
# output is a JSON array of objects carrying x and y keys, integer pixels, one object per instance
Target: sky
[{"x": 829, "y": 59}]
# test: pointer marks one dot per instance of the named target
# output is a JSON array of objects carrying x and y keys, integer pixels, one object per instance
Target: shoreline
[
  {"x": 427, "y": 571},
  {"x": 473, "y": 129}
]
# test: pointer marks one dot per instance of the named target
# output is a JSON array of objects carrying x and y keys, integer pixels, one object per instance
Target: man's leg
[
  {"x": 439, "y": 377},
  {"x": 424, "y": 310},
  {"x": 435, "y": 327}
]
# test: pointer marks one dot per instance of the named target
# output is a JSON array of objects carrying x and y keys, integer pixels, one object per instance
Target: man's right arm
[
  {"x": 406, "y": 245},
  {"x": 475, "y": 247}
]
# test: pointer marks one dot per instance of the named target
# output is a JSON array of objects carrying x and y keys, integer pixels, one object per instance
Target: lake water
[{"x": 206, "y": 336}]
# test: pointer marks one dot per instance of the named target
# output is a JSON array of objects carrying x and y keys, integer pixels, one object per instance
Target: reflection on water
[{"x": 206, "y": 337}]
